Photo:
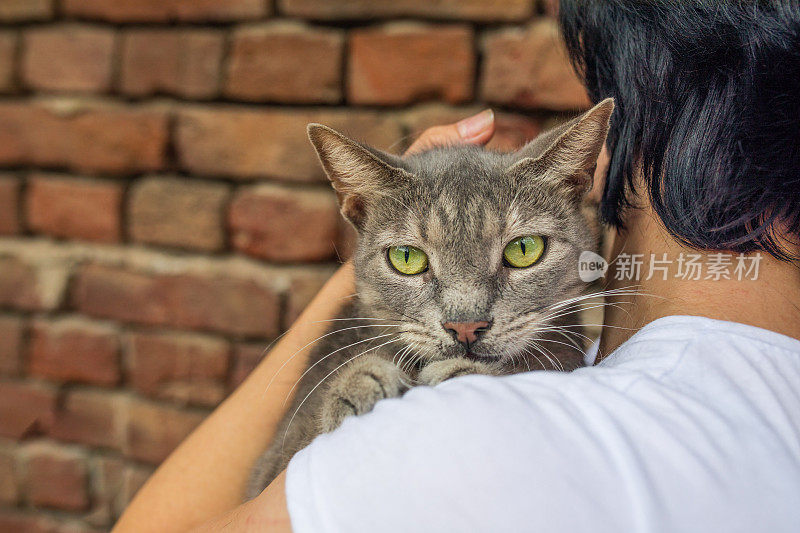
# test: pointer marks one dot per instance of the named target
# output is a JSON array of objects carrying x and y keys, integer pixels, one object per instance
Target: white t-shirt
[{"x": 691, "y": 425}]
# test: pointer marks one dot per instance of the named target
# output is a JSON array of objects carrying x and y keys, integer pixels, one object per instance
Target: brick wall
[{"x": 163, "y": 216}]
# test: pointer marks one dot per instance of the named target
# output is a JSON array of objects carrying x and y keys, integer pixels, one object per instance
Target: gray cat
[{"x": 466, "y": 264}]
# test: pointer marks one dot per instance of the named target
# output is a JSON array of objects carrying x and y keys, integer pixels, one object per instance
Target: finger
[{"x": 477, "y": 129}]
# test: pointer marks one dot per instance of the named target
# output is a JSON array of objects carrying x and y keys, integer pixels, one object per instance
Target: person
[{"x": 690, "y": 420}]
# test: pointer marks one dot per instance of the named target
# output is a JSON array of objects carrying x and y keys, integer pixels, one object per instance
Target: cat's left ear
[
  {"x": 567, "y": 155},
  {"x": 358, "y": 173}
]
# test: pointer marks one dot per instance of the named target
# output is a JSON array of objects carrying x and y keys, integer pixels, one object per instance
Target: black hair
[{"x": 708, "y": 108}]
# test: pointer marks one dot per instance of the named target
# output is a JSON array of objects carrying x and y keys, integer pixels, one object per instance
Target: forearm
[{"x": 206, "y": 475}]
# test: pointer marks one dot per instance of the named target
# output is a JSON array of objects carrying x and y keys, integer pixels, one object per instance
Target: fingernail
[{"x": 475, "y": 125}]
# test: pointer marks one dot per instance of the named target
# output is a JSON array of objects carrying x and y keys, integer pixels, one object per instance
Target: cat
[{"x": 466, "y": 263}]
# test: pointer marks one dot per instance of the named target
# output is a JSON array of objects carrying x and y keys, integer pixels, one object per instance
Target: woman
[{"x": 691, "y": 424}]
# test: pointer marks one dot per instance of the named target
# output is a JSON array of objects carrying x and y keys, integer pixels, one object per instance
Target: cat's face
[{"x": 469, "y": 252}]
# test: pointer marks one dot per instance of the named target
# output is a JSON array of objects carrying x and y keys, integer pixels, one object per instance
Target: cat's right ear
[{"x": 358, "y": 174}]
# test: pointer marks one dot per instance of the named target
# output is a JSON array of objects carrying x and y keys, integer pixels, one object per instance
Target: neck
[{"x": 770, "y": 301}]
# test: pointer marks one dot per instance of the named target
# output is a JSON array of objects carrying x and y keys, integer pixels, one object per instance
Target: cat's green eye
[
  {"x": 408, "y": 260},
  {"x": 523, "y": 252}
]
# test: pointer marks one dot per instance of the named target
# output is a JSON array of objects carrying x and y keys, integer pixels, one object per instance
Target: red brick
[
  {"x": 19, "y": 285},
  {"x": 181, "y": 62},
  {"x": 133, "y": 479},
  {"x": 94, "y": 418},
  {"x": 11, "y": 332},
  {"x": 186, "y": 368},
  {"x": 9, "y": 478},
  {"x": 9, "y": 204},
  {"x": 105, "y": 485},
  {"x": 74, "y": 350},
  {"x": 285, "y": 62},
  {"x": 14, "y": 521},
  {"x": 478, "y": 10},
  {"x": 302, "y": 289},
  {"x": 284, "y": 225},
  {"x": 404, "y": 63},
  {"x": 82, "y": 137},
  {"x": 529, "y": 68},
  {"x": 245, "y": 358},
  {"x": 20, "y": 10},
  {"x": 25, "y": 409},
  {"x": 268, "y": 143},
  {"x": 179, "y": 212},
  {"x": 76, "y": 208},
  {"x": 68, "y": 58},
  {"x": 167, "y": 10},
  {"x": 32, "y": 283},
  {"x": 155, "y": 430},
  {"x": 8, "y": 51},
  {"x": 229, "y": 304},
  {"x": 56, "y": 477},
  {"x": 549, "y": 7}
]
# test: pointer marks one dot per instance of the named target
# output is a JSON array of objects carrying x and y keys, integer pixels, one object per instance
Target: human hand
[{"x": 477, "y": 129}]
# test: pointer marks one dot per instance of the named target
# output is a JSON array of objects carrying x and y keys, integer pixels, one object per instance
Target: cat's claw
[
  {"x": 357, "y": 388},
  {"x": 438, "y": 371}
]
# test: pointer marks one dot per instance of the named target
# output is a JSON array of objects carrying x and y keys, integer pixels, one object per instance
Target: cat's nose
[{"x": 466, "y": 332}]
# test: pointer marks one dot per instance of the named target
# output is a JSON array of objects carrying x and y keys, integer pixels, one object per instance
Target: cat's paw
[
  {"x": 438, "y": 371},
  {"x": 357, "y": 388}
]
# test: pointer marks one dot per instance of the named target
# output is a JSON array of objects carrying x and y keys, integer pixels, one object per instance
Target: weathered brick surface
[
  {"x": 268, "y": 143},
  {"x": 74, "y": 349},
  {"x": 25, "y": 409},
  {"x": 25, "y": 10},
  {"x": 178, "y": 212},
  {"x": 9, "y": 204},
  {"x": 91, "y": 417},
  {"x": 68, "y": 58},
  {"x": 403, "y": 63},
  {"x": 167, "y": 10},
  {"x": 8, "y": 50},
  {"x": 77, "y": 208},
  {"x": 550, "y": 7},
  {"x": 154, "y": 430},
  {"x": 284, "y": 225},
  {"x": 529, "y": 68},
  {"x": 132, "y": 480},
  {"x": 113, "y": 483},
  {"x": 285, "y": 62},
  {"x": 234, "y": 305},
  {"x": 184, "y": 62},
  {"x": 56, "y": 477},
  {"x": 9, "y": 477},
  {"x": 82, "y": 137},
  {"x": 14, "y": 521},
  {"x": 12, "y": 329},
  {"x": 480, "y": 10},
  {"x": 302, "y": 289},
  {"x": 189, "y": 369},
  {"x": 19, "y": 285}
]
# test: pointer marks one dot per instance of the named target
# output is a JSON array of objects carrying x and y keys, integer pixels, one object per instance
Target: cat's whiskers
[
  {"x": 289, "y": 359},
  {"x": 406, "y": 365},
  {"x": 321, "y": 359},
  {"x": 528, "y": 352},
  {"x": 551, "y": 358},
  {"x": 332, "y": 372},
  {"x": 539, "y": 349},
  {"x": 351, "y": 318}
]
